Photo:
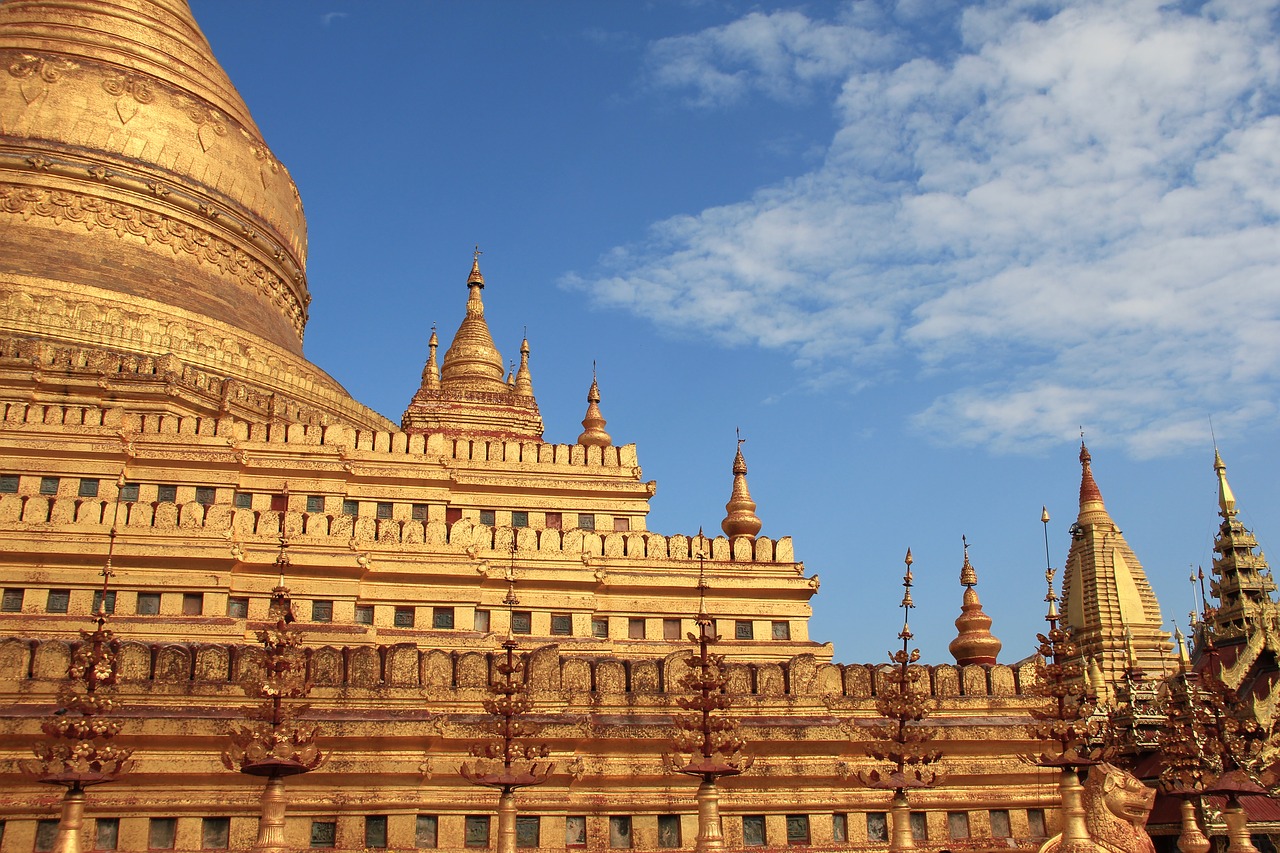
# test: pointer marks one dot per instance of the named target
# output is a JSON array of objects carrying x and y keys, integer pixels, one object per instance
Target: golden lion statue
[{"x": 1116, "y": 806}]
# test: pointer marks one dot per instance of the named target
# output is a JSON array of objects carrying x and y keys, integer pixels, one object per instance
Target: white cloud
[
  {"x": 779, "y": 54},
  {"x": 1072, "y": 213}
]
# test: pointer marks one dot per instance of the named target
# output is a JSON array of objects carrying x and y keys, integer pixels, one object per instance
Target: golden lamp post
[
  {"x": 508, "y": 760},
  {"x": 77, "y": 751},
  {"x": 902, "y": 741},
  {"x": 274, "y": 743},
  {"x": 708, "y": 744}
]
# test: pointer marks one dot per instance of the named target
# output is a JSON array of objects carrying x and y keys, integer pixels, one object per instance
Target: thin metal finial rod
[
  {"x": 907, "y": 604},
  {"x": 1051, "y": 597},
  {"x": 511, "y": 600},
  {"x": 1204, "y": 598},
  {"x": 702, "y": 620},
  {"x": 108, "y": 570},
  {"x": 477, "y": 254},
  {"x": 1044, "y": 520},
  {"x": 1194, "y": 604},
  {"x": 282, "y": 561}
]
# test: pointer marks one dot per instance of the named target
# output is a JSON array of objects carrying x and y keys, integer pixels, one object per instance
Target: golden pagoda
[
  {"x": 974, "y": 642},
  {"x": 469, "y": 396},
  {"x": 1108, "y": 606}
]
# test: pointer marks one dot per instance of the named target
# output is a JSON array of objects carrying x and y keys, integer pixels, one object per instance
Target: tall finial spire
[
  {"x": 1244, "y": 586},
  {"x": 1090, "y": 495},
  {"x": 476, "y": 279},
  {"x": 1226, "y": 498},
  {"x": 524, "y": 379},
  {"x": 593, "y": 434},
  {"x": 741, "y": 519},
  {"x": 1049, "y": 571},
  {"x": 472, "y": 362},
  {"x": 974, "y": 643},
  {"x": 431, "y": 372}
]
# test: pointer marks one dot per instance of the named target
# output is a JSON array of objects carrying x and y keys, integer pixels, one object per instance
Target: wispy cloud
[
  {"x": 780, "y": 54},
  {"x": 1071, "y": 212},
  {"x": 328, "y": 18}
]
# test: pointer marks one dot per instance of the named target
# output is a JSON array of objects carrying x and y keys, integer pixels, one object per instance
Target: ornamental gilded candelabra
[
  {"x": 1231, "y": 745},
  {"x": 1187, "y": 766},
  {"x": 1068, "y": 725},
  {"x": 902, "y": 741},
  {"x": 77, "y": 751},
  {"x": 275, "y": 743},
  {"x": 708, "y": 742},
  {"x": 508, "y": 761}
]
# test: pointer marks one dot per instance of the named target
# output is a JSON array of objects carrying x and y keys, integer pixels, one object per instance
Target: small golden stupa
[
  {"x": 974, "y": 643},
  {"x": 741, "y": 519},
  {"x": 593, "y": 434}
]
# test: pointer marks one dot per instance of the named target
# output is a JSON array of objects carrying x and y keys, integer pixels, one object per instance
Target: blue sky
[{"x": 909, "y": 249}]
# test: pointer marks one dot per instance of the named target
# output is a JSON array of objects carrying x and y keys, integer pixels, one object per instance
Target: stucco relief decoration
[
  {"x": 121, "y": 219},
  {"x": 131, "y": 93},
  {"x": 269, "y": 163},
  {"x": 209, "y": 122},
  {"x": 37, "y": 72}
]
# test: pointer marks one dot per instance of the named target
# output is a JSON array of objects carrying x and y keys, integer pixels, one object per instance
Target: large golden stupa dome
[{"x": 141, "y": 211}]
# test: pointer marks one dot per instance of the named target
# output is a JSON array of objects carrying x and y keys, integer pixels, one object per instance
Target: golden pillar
[
  {"x": 1075, "y": 834},
  {"x": 901, "y": 837},
  {"x": 710, "y": 836},
  {"x": 70, "y": 822},
  {"x": 1237, "y": 827},
  {"x": 1191, "y": 839},
  {"x": 507, "y": 822},
  {"x": 271, "y": 818}
]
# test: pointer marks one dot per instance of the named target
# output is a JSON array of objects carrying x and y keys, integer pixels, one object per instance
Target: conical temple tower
[
  {"x": 1106, "y": 596},
  {"x": 470, "y": 396}
]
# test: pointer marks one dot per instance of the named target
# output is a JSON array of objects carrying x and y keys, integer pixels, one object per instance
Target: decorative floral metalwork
[
  {"x": 78, "y": 751},
  {"x": 708, "y": 742},
  {"x": 510, "y": 759},
  {"x": 901, "y": 740},
  {"x": 275, "y": 742},
  {"x": 1069, "y": 724}
]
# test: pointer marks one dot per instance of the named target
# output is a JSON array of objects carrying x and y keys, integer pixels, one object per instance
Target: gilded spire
[
  {"x": 593, "y": 434},
  {"x": 1226, "y": 498},
  {"x": 1091, "y": 505},
  {"x": 472, "y": 362},
  {"x": 473, "y": 395},
  {"x": 524, "y": 380},
  {"x": 431, "y": 373},
  {"x": 974, "y": 643},
  {"x": 1180, "y": 641},
  {"x": 741, "y": 519},
  {"x": 1242, "y": 579},
  {"x": 1107, "y": 602}
]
